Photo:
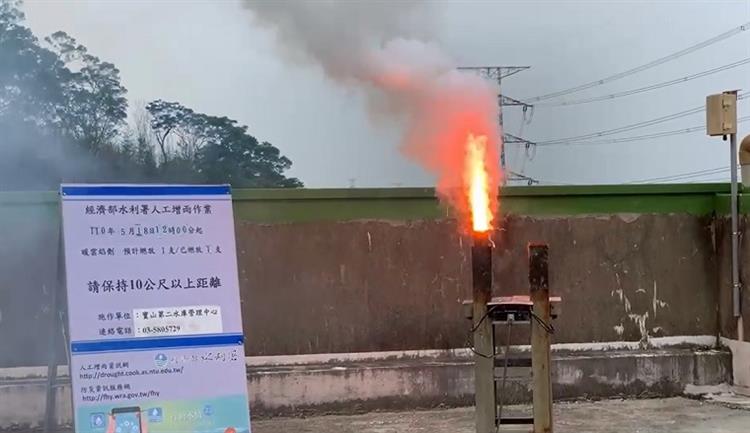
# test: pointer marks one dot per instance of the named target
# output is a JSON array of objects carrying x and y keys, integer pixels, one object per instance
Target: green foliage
[
  {"x": 217, "y": 148},
  {"x": 31, "y": 76},
  {"x": 94, "y": 107},
  {"x": 64, "y": 117}
]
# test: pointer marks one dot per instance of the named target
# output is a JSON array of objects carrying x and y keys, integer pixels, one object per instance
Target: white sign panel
[{"x": 154, "y": 309}]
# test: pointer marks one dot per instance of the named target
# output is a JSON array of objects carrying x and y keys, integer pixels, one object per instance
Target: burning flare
[{"x": 478, "y": 183}]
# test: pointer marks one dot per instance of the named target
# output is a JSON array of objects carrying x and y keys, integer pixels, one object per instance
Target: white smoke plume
[{"x": 383, "y": 47}]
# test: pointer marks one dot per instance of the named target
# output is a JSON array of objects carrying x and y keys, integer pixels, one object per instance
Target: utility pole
[
  {"x": 721, "y": 120},
  {"x": 497, "y": 73}
]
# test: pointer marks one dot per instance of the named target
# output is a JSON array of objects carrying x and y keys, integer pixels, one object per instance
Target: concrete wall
[
  {"x": 374, "y": 270},
  {"x": 370, "y": 286},
  {"x": 346, "y": 383},
  {"x": 28, "y": 257},
  {"x": 728, "y": 322}
]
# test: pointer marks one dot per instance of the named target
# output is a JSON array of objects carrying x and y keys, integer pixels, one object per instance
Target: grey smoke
[
  {"x": 338, "y": 35},
  {"x": 383, "y": 49}
]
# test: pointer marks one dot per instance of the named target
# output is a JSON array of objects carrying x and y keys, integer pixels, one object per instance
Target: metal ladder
[{"x": 504, "y": 360}]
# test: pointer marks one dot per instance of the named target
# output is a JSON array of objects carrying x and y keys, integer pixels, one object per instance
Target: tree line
[{"x": 64, "y": 118}]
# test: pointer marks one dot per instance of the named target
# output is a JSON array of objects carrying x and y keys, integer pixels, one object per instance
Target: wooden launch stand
[{"x": 491, "y": 366}]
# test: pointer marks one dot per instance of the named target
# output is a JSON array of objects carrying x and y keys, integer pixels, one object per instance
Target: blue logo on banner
[
  {"x": 98, "y": 420},
  {"x": 155, "y": 414},
  {"x": 161, "y": 360}
]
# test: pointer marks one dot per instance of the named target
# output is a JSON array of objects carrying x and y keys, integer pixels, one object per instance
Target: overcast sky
[{"x": 211, "y": 57}]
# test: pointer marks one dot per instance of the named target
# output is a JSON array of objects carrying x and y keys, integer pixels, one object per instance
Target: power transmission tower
[
  {"x": 510, "y": 138},
  {"x": 518, "y": 176},
  {"x": 497, "y": 73}
]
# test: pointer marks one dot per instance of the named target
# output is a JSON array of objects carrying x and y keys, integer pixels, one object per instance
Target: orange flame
[
  {"x": 477, "y": 180},
  {"x": 452, "y": 131}
]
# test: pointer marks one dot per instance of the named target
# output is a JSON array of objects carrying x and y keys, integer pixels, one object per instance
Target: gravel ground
[
  {"x": 670, "y": 415},
  {"x": 673, "y": 415}
]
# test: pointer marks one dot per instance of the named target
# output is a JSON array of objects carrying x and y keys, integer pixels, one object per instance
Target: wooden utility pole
[{"x": 541, "y": 328}]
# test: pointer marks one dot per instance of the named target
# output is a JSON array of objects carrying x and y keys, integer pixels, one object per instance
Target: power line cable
[
  {"x": 648, "y": 88},
  {"x": 630, "y": 127},
  {"x": 623, "y": 128},
  {"x": 714, "y": 180},
  {"x": 661, "y": 179},
  {"x": 661, "y": 134},
  {"x": 680, "y": 176},
  {"x": 649, "y": 65},
  {"x": 689, "y": 179}
]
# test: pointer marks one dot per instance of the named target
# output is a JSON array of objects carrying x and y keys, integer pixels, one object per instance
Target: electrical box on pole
[{"x": 721, "y": 113}]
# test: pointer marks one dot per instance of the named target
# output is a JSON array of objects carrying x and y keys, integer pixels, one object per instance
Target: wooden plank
[
  {"x": 484, "y": 382},
  {"x": 540, "y": 338},
  {"x": 515, "y": 420},
  {"x": 513, "y": 362},
  {"x": 513, "y": 373}
]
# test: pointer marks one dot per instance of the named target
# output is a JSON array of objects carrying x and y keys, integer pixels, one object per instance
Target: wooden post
[
  {"x": 541, "y": 326},
  {"x": 484, "y": 351}
]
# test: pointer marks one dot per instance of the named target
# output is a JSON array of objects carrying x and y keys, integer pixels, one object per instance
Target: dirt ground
[{"x": 673, "y": 415}]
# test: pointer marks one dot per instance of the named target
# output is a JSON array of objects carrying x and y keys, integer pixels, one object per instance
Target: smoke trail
[{"x": 381, "y": 47}]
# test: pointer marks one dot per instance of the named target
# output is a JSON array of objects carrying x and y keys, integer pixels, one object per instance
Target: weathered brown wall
[
  {"x": 368, "y": 286},
  {"x": 353, "y": 286},
  {"x": 313, "y": 287},
  {"x": 621, "y": 277},
  {"x": 728, "y": 323}
]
